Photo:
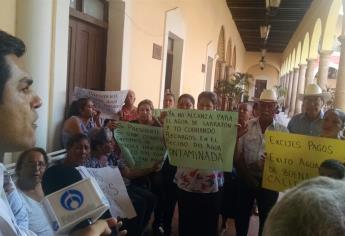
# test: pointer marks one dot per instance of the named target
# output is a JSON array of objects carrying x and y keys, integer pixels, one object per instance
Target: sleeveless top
[{"x": 85, "y": 128}]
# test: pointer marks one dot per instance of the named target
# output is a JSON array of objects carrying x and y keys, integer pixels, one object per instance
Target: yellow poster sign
[{"x": 292, "y": 158}]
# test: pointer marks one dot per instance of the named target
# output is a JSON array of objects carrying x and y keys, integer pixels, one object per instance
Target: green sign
[
  {"x": 141, "y": 145},
  {"x": 201, "y": 139},
  {"x": 157, "y": 113}
]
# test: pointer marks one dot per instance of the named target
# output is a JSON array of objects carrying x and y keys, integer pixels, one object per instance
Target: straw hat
[
  {"x": 316, "y": 91},
  {"x": 268, "y": 95}
]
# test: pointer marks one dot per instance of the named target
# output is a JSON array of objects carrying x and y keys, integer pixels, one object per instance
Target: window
[{"x": 98, "y": 9}]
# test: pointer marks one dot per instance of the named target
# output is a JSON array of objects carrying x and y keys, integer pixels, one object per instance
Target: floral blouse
[{"x": 199, "y": 181}]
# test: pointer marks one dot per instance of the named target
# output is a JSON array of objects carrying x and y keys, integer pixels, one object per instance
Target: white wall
[{"x": 148, "y": 21}]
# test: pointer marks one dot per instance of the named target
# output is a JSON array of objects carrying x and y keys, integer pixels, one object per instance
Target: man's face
[
  {"x": 312, "y": 105},
  {"x": 17, "y": 109},
  {"x": 267, "y": 110}
]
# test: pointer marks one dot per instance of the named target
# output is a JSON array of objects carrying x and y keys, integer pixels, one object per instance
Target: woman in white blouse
[{"x": 30, "y": 167}]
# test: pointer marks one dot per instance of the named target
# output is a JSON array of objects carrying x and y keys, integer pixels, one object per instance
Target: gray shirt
[{"x": 300, "y": 124}]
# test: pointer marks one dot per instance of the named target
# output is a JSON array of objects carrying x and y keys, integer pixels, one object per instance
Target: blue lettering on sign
[
  {"x": 72, "y": 199},
  {"x": 55, "y": 226}
]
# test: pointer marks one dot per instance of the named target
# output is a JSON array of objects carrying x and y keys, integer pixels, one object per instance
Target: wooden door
[
  {"x": 87, "y": 55},
  {"x": 169, "y": 65},
  {"x": 260, "y": 85}
]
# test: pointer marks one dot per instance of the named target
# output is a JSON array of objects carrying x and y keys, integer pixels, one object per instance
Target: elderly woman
[
  {"x": 84, "y": 118},
  {"x": 104, "y": 153},
  {"x": 333, "y": 124},
  {"x": 145, "y": 114},
  {"x": 153, "y": 180},
  {"x": 78, "y": 150},
  {"x": 29, "y": 169},
  {"x": 129, "y": 111}
]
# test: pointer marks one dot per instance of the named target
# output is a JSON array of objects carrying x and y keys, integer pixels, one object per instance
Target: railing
[{"x": 53, "y": 157}]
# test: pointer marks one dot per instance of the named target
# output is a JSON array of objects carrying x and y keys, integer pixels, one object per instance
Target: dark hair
[
  {"x": 99, "y": 137},
  {"x": 26, "y": 153},
  {"x": 245, "y": 103},
  {"x": 146, "y": 102},
  {"x": 336, "y": 166},
  {"x": 187, "y": 96},
  {"x": 75, "y": 139},
  {"x": 339, "y": 113},
  {"x": 8, "y": 45},
  {"x": 80, "y": 104},
  {"x": 170, "y": 94},
  {"x": 210, "y": 96},
  {"x": 73, "y": 109}
]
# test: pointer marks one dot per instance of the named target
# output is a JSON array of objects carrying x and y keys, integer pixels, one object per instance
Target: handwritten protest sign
[
  {"x": 201, "y": 139},
  {"x": 111, "y": 183},
  {"x": 141, "y": 145},
  {"x": 292, "y": 158},
  {"x": 109, "y": 103}
]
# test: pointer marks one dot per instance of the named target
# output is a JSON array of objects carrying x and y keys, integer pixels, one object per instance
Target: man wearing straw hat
[
  {"x": 309, "y": 122},
  {"x": 249, "y": 162}
]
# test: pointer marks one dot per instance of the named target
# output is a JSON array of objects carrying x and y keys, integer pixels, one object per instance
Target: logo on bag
[{"x": 72, "y": 199}]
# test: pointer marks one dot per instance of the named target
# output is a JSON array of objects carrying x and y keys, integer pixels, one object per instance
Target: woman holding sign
[
  {"x": 198, "y": 194},
  {"x": 153, "y": 179}
]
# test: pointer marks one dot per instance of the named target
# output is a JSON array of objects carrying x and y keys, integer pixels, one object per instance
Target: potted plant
[{"x": 232, "y": 89}]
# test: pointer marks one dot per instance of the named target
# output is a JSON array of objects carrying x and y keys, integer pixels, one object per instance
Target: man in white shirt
[
  {"x": 17, "y": 127},
  {"x": 249, "y": 163}
]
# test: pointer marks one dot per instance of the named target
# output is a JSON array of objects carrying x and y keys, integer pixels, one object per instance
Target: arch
[
  {"x": 270, "y": 73},
  {"x": 221, "y": 44},
  {"x": 305, "y": 49},
  {"x": 330, "y": 25},
  {"x": 229, "y": 52},
  {"x": 315, "y": 39},
  {"x": 234, "y": 58},
  {"x": 298, "y": 55}
]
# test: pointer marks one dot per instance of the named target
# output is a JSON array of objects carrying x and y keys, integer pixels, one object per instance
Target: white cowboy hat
[
  {"x": 268, "y": 95},
  {"x": 316, "y": 91}
]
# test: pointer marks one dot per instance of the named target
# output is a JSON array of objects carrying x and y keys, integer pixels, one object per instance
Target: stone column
[
  {"x": 286, "y": 86},
  {"x": 340, "y": 88},
  {"x": 294, "y": 91},
  {"x": 34, "y": 27},
  {"x": 222, "y": 71},
  {"x": 309, "y": 77},
  {"x": 289, "y": 89},
  {"x": 300, "y": 87},
  {"x": 325, "y": 56}
]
